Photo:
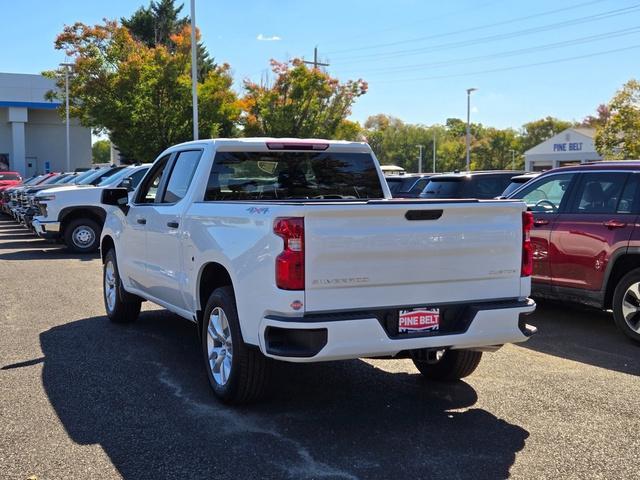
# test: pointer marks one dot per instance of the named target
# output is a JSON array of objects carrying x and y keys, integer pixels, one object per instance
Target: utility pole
[
  {"x": 194, "y": 70},
  {"x": 315, "y": 62},
  {"x": 469, "y": 90},
  {"x": 434, "y": 151},
  {"x": 420, "y": 158},
  {"x": 67, "y": 66}
]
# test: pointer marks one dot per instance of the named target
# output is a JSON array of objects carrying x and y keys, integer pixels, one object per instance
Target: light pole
[
  {"x": 469, "y": 90},
  {"x": 420, "y": 158},
  {"x": 194, "y": 70},
  {"x": 434, "y": 151},
  {"x": 66, "y": 67}
]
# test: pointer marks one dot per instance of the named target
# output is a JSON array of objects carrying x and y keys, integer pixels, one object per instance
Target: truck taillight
[
  {"x": 527, "y": 248},
  {"x": 290, "y": 263}
]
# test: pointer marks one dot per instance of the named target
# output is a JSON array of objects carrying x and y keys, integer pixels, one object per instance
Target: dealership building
[
  {"x": 569, "y": 147},
  {"x": 32, "y": 133}
]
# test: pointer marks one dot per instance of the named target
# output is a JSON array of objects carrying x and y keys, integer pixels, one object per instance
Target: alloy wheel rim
[
  {"x": 631, "y": 307},
  {"x": 219, "y": 346},
  {"x": 83, "y": 236},
  {"x": 110, "y": 285}
]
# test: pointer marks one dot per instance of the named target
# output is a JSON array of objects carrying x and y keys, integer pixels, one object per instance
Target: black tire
[
  {"x": 126, "y": 307},
  {"x": 79, "y": 229},
  {"x": 453, "y": 365},
  {"x": 250, "y": 369},
  {"x": 623, "y": 290}
]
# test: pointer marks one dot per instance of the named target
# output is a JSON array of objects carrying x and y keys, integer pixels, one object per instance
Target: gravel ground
[{"x": 83, "y": 399}]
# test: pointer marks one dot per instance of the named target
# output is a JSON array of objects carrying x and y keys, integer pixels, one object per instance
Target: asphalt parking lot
[{"x": 82, "y": 398}]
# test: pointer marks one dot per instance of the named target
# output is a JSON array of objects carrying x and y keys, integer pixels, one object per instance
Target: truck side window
[
  {"x": 546, "y": 194},
  {"x": 181, "y": 175},
  {"x": 151, "y": 182}
]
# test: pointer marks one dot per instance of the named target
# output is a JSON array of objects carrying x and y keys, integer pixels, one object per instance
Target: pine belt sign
[{"x": 567, "y": 147}]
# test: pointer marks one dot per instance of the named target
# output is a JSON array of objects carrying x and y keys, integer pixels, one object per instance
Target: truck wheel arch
[
  {"x": 212, "y": 275},
  {"x": 71, "y": 213},
  {"x": 106, "y": 245}
]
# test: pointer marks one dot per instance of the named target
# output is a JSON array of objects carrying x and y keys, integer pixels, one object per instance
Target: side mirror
[
  {"x": 117, "y": 197},
  {"x": 126, "y": 183}
]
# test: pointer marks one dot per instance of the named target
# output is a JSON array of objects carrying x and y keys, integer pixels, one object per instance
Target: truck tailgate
[{"x": 386, "y": 254}]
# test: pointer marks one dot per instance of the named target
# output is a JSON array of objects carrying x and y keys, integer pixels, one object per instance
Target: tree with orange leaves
[
  {"x": 301, "y": 102},
  {"x": 141, "y": 95}
]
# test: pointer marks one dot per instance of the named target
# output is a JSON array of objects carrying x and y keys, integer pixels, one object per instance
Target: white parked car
[
  {"x": 294, "y": 250},
  {"x": 75, "y": 213}
]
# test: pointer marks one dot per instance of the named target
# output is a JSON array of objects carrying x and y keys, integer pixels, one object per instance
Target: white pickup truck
[
  {"x": 294, "y": 250},
  {"x": 74, "y": 214}
]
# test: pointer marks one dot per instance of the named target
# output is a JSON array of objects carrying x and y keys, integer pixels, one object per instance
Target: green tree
[
  {"x": 140, "y": 95},
  {"x": 302, "y": 102},
  {"x": 538, "y": 131},
  {"x": 101, "y": 151},
  {"x": 619, "y": 136},
  {"x": 158, "y": 23}
]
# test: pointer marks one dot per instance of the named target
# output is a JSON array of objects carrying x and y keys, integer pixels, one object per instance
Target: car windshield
[
  {"x": 81, "y": 176},
  {"x": 33, "y": 180},
  {"x": 9, "y": 176},
  {"x": 293, "y": 176},
  {"x": 395, "y": 184},
  {"x": 110, "y": 172},
  {"x": 68, "y": 179},
  {"x": 513, "y": 186},
  {"x": 443, "y": 188},
  {"x": 95, "y": 174},
  {"x": 116, "y": 177},
  {"x": 51, "y": 179}
]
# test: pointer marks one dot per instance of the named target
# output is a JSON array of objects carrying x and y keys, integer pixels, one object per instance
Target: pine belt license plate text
[{"x": 418, "y": 320}]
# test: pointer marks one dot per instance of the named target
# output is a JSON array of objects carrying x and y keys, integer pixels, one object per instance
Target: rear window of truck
[{"x": 293, "y": 176}]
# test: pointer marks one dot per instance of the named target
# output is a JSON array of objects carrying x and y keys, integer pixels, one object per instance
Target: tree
[
  {"x": 619, "y": 136},
  {"x": 101, "y": 151},
  {"x": 603, "y": 114},
  {"x": 302, "y": 102},
  {"x": 140, "y": 95},
  {"x": 158, "y": 23},
  {"x": 536, "y": 132}
]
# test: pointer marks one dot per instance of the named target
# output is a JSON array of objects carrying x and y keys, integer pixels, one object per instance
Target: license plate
[{"x": 418, "y": 320}]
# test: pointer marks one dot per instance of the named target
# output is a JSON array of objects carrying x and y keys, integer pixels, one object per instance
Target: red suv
[{"x": 586, "y": 237}]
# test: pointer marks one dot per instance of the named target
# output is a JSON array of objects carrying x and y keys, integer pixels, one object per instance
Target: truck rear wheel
[
  {"x": 447, "y": 364},
  {"x": 121, "y": 307},
  {"x": 237, "y": 373},
  {"x": 626, "y": 304},
  {"x": 82, "y": 235}
]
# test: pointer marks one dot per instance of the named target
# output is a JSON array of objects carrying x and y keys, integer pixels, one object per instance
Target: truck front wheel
[
  {"x": 82, "y": 235},
  {"x": 237, "y": 373},
  {"x": 121, "y": 306},
  {"x": 446, "y": 364}
]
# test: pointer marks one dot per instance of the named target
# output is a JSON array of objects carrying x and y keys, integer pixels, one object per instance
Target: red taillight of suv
[
  {"x": 290, "y": 263},
  {"x": 527, "y": 248}
]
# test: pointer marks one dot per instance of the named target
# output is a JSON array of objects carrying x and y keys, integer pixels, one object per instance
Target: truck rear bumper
[{"x": 335, "y": 338}]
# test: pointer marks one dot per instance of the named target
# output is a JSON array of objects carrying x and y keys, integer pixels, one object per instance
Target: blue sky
[{"x": 418, "y": 56}]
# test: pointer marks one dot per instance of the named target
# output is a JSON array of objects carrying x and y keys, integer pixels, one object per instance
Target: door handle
[
  {"x": 142, "y": 221},
  {"x": 611, "y": 224},
  {"x": 540, "y": 222},
  {"x": 173, "y": 224}
]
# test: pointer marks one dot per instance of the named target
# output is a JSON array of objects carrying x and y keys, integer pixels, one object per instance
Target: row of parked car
[
  {"x": 586, "y": 228},
  {"x": 478, "y": 184},
  {"x": 66, "y": 207}
]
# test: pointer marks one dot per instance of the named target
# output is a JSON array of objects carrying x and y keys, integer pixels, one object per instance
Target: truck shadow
[
  {"x": 141, "y": 393},
  {"x": 583, "y": 335}
]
